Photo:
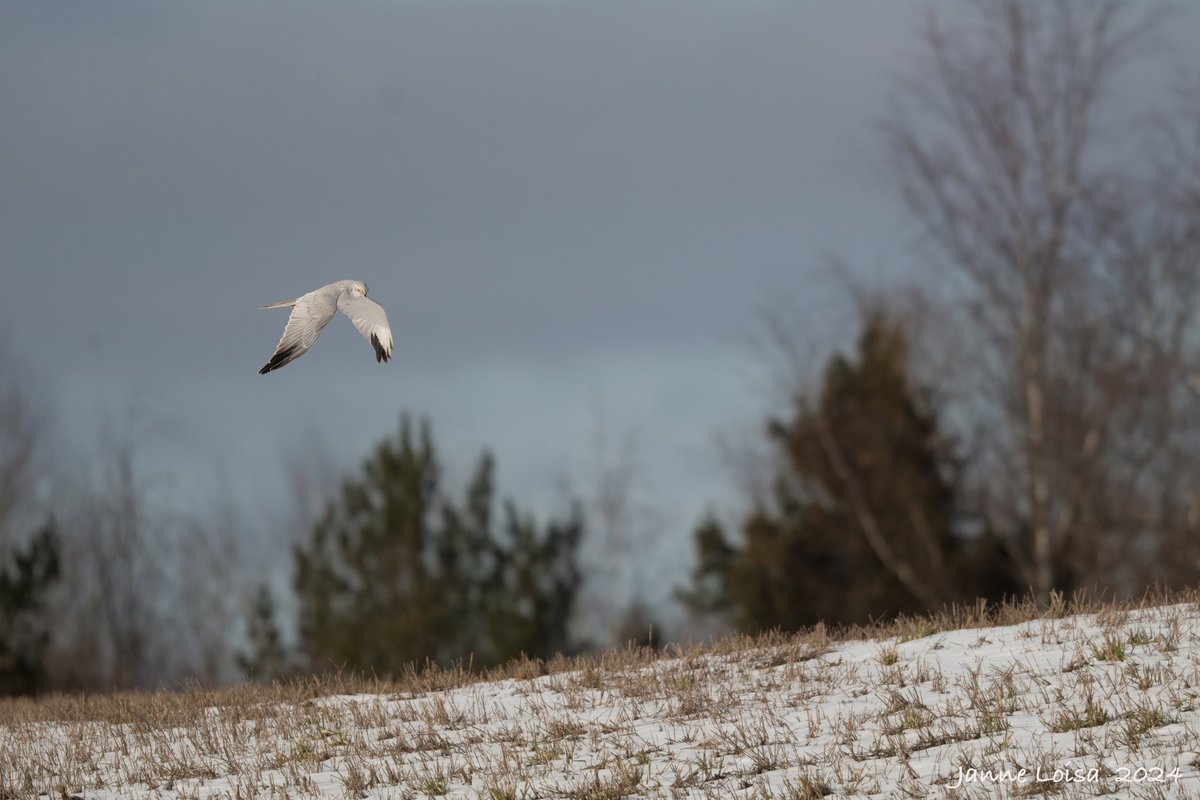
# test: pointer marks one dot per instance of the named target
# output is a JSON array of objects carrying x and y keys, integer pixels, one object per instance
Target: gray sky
[{"x": 571, "y": 211}]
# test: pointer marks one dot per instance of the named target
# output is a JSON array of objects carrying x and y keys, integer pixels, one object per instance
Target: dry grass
[{"x": 899, "y": 707}]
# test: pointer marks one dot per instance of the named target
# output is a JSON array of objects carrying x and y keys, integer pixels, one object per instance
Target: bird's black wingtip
[
  {"x": 280, "y": 358},
  {"x": 381, "y": 355}
]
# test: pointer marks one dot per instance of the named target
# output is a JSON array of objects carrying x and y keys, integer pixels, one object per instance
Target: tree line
[
  {"x": 1024, "y": 417},
  {"x": 1028, "y": 420}
]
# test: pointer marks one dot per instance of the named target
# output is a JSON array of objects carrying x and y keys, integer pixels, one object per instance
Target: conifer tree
[
  {"x": 396, "y": 572},
  {"x": 25, "y": 582},
  {"x": 266, "y": 658},
  {"x": 863, "y": 519}
]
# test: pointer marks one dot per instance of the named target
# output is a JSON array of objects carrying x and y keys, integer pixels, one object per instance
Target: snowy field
[{"x": 1072, "y": 706}]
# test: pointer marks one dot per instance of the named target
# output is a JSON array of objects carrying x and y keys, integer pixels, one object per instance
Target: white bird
[{"x": 311, "y": 312}]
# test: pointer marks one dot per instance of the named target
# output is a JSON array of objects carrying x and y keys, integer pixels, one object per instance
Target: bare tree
[
  {"x": 115, "y": 567},
  {"x": 1068, "y": 275},
  {"x": 622, "y": 523},
  {"x": 20, "y": 428},
  {"x": 154, "y": 587},
  {"x": 147, "y": 593},
  {"x": 1157, "y": 264},
  {"x": 210, "y": 576}
]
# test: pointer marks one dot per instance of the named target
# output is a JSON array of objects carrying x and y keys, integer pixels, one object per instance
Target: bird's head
[{"x": 357, "y": 289}]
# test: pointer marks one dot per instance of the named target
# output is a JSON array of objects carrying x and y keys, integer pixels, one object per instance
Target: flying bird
[{"x": 311, "y": 312}]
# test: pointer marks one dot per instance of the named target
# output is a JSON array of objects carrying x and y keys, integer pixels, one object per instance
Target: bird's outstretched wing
[
  {"x": 311, "y": 313},
  {"x": 371, "y": 321}
]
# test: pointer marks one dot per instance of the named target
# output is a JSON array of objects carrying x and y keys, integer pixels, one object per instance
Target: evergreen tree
[
  {"x": 24, "y": 629},
  {"x": 711, "y": 592},
  {"x": 266, "y": 658},
  {"x": 863, "y": 519},
  {"x": 397, "y": 572}
]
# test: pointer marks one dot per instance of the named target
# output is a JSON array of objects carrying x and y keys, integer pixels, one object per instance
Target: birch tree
[{"x": 1067, "y": 273}]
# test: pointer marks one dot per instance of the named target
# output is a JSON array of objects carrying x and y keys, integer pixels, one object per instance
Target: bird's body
[{"x": 311, "y": 313}]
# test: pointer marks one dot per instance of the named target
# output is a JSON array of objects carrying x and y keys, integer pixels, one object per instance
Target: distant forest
[{"x": 1023, "y": 418}]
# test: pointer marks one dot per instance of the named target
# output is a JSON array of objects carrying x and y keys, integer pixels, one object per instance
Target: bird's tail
[{"x": 281, "y": 304}]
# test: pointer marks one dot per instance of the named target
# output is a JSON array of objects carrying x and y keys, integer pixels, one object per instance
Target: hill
[{"x": 978, "y": 703}]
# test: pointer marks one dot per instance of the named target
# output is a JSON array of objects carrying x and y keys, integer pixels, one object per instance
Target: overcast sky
[{"x": 574, "y": 214}]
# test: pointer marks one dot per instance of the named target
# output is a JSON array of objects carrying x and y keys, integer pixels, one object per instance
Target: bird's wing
[
  {"x": 310, "y": 314},
  {"x": 371, "y": 321}
]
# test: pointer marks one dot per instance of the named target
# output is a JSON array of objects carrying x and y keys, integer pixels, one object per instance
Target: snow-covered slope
[{"x": 1069, "y": 707}]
